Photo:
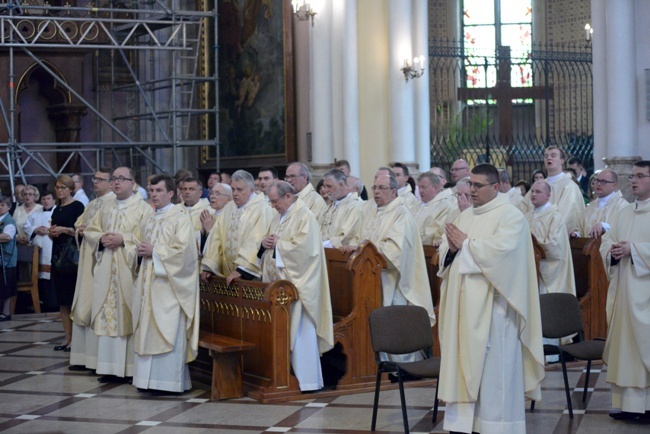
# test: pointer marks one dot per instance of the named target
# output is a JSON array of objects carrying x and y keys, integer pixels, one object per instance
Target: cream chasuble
[
  {"x": 236, "y": 237},
  {"x": 342, "y": 222},
  {"x": 301, "y": 249},
  {"x": 411, "y": 202},
  {"x": 500, "y": 245},
  {"x": 565, "y": 193},
  {"x": 556, "y": 270},
  {"x": 394, "y": 233},
  {"x": 430, "y": 219},
  {"x": 166, "y": 291},
  {"x": 627, "y": 350},
  {"x": 83, "y": 297},
  {"x": 114, "y": 271},
  {"x": 597, "y": 212},
  {"x": 314, "y": 202},
  {"x": 514, "y": 195}
]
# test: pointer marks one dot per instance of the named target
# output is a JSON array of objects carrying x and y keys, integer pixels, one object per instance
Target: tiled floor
[{"x": 38, "y": 394}]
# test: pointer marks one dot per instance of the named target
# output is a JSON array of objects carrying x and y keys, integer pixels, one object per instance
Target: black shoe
[
  {"x": 4, "y": 317},
  {"x": 114, "y": 379},
  {"x": 62, "y": 348},
  {"x": 624, "y": 415},
  {"x": 77, "y": 368}
]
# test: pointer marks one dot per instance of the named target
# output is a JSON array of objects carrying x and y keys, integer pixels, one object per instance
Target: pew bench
[{"x": 226, "y": 364}]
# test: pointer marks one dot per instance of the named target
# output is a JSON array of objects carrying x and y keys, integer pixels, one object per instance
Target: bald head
[{"x": 540, "y": 193}]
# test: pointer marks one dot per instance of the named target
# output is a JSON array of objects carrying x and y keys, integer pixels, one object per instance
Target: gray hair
[
  {"x": 357, "y": 184},
  {"x": 504, "y": 176},
  {"x": 242, "y": 175},
  {"x": 432, "y": 177},
  {"x": 337, "y": 175},
  {"x": 442, "y": 171},
  {"x": 304, "y": 170},
  {"x": 283, "y": 188},
  {"x": 390, "y": 171},
  {"x": 226, "y": 188},
  {"x": 463, "y": 181}
]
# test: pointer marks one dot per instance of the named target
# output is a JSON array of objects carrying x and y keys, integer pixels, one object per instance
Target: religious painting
[{"x": 255, "y": 80}]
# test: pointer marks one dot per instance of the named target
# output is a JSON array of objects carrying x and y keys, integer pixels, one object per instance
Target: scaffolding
[{"x": 154, "y": 86}]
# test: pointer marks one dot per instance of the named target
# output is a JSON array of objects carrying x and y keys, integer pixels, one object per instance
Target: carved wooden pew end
[{"x": 226, "y": 364}]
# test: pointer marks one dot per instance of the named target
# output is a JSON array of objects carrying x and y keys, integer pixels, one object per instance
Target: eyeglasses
[
  {"x": 95, "y": 179},
  {"x": 478, "y": 185},
  {"x": 457, "y": 169},
  {"x": 290, "y": 177},
  {"x": 638, "y": 177},
  {"x": 380, "y": 187},
  {"x": 61, "y": 187},
  {"x": 603, "y": 181},
  {"x": 28, "y": 194},
  {"x": 120, "y": 179}
]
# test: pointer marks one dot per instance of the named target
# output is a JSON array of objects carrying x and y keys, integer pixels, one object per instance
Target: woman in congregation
[
  {"x": 8, "y": 258},
  {"x": 64, "y": 272},
  {"x": 30, "y": 204}
]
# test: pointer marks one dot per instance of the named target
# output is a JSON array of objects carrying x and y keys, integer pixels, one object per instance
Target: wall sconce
[
  {"x": 413, "y": 69},
  {"x": 589, "y": 31},
  {"x": 303, "y": 10}
]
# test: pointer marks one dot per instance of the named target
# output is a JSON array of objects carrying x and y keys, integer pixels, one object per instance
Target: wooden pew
[
  {"x": 591, "y": 285},
  {"x": 355, "y": 289},
  {"x": 256, "y": 313}
]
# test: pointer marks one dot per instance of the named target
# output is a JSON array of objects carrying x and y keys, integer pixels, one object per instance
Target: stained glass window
[{"x": 488, "y": 24}]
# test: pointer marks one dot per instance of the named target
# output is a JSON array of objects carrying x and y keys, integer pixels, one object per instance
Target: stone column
[
  {"x": 622, "y": 146},
  {"x": 350, "y": 87},
  {"x": 402, "y": 135},
  {"x": 422, "y": 127},
  {"x": 321, "y": 89},
  {"x": 599, "y": 71}
]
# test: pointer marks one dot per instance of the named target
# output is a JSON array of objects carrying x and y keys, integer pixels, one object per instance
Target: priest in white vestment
[
  {"x": 490, "y": 323},
  {"x": 232, "y": 245},
  {"x": 299, "y": 176},
  {"x": 166, "y": 296},
  {"x": 84, "y": 344},
  {"x": 342, "y": 221},
  {"x": 293, "y": 251},
  {"x": 505, "y": 187},
  {"x": 547, "y": 224},
  {"x": 220, "y": 194},
  {"x": 393, "y": 231},
  {"x": 194, "y": 205},
  {"x": 432, "y": 212},
  {"x": 565, "y": 193},
  {"x": 460, "y": 200},
  {"x": 37, "y": 229},
  {"x": 404, "y": 190},
  {"x": 596, "y": 218},
  {"x": 112, "y": 235},
  {"x": 625, "y": 250}
]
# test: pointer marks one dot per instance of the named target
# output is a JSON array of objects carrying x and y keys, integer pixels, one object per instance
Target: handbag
[{"x": 66, "y": 259}]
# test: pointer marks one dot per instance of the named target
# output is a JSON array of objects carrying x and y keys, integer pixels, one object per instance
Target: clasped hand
[{"x": 455, "y": 237}]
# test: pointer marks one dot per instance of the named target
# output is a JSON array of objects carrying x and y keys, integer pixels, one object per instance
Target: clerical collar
[
  {"x": 164, "y": 208},
  {"x": 551, "y": 179},
  {"x": 602, "y": 201},
  {"x": 637, "y": 203},
  {"x": 542, "y": 208},
  {"x": 284, "y": 214},
  {"x": 338, "y": 201},
  {"x": 249, "y": 199},
  {"x": 121, "y": 202}
]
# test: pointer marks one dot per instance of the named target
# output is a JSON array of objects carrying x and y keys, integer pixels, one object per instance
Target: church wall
[
  {"x": 374, "y": 121},
  {"x": 642, "y": 63}
]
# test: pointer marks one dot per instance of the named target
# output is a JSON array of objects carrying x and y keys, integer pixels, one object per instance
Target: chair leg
[
  {"x": 376, "y": 404},
  {"x": 435, "y": 404},
  {"x": 36, "y": 299},
  {"x": 566, "y": 386},
  {"x": 584, "y": 393},
  {"x": 403, "y": 400}
]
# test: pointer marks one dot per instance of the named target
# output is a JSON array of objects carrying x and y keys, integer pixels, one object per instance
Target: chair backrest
[
  {"x": 400, "y": 329},
  {"x": 561, "y": 315},
  {"x": 28, "y": 255}
]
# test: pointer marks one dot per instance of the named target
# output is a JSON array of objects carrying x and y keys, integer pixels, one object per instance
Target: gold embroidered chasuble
[
  {"x": 167, "y": 285},
  {"x": 314, "y": 202},
  {"x": 593, "y": 214},
  {"x": 81, "y": 311},
  {"x": 430, "y": 219},
  {"x": 566, "y": 194},
  {"x": 342, "y": 222}
]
